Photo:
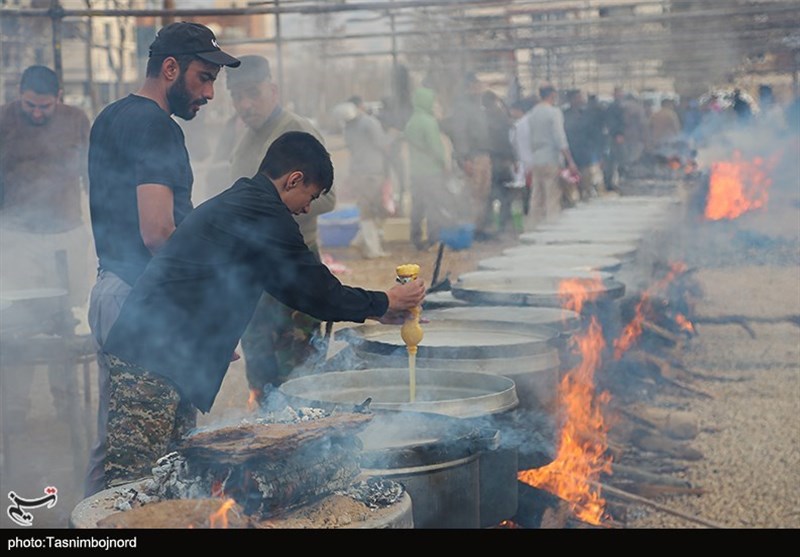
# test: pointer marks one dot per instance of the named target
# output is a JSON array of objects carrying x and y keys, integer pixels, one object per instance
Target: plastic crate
[
  {"x": 338, "y": 228},
  {"x": 458, "y": 237}
]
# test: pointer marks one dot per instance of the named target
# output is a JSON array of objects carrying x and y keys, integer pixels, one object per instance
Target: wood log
[
  {"x": 621, "y": 494},
  {"x": 657, "y": 443},
  {"x": 662, "y": 332},
  {"x": 266, "y": 486},
  {"x": 650, "y": 490},
  {"x": 237, "y": 444},
  {"x": 686, "y": 388},
  {"x": 642, "y": 476},
  {"x": 674, "y": 423},
  {"x": 666, "y": 369}
]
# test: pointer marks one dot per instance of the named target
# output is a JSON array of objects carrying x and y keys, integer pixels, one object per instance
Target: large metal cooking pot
[
  {"x": 578, "y": 249},
  {"x": 561, "y": 320},
  {"x": 581, "y": 236},
  {"x": 457, "y": 394},
  {"x": 34, "y": 311},
  {"x": 515, "y": 289},
  {"x": 529, "y": 354},
  {"x": 533, "y": 263},
  {"x": 437, "y": 458},
  {"x": 441, "y": 299},
  {"x": 92, "y": 510},
  {"x": 454, "y": 339}
]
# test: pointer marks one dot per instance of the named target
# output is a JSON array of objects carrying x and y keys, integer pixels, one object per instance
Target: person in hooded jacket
[{"x": 427, "y": 163}]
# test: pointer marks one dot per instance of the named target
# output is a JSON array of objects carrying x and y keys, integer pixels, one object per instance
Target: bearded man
[
  {"x": 43, "y": 145},
  {"x": 140, "y": 183}
]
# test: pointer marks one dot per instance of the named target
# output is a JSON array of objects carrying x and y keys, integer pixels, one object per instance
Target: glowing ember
[
  {"x": 581, "y": 457},
  {"x": 684, "y": 323},
  {"x": 219, "y": 519},
  {"x": 738, "y": 186}
]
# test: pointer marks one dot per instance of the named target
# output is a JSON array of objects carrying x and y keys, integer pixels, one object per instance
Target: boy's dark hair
[
  {"x": 39, "y": 79},
  {"x": 546, "y": 91},
  {"x": 299, "y": 151},
  {"x": 156, "y": 60}
]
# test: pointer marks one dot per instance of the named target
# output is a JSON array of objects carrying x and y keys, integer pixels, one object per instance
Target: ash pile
[{"x": 269, "y": 463}]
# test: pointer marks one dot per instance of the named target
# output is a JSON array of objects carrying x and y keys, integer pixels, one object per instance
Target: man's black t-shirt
[
  {"x": 132, "y": 142},
  {"x": 185, "y": 315}
]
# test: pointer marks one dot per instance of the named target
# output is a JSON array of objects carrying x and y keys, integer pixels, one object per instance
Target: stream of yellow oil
[{"x": 412, "y": 376}]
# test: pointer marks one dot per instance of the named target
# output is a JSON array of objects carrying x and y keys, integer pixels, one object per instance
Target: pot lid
[
  {"x": 545, "y": 262},
  {"x": 576, "y": 248},
  {"x": 454, "y": 339},
  {"x": 581, "y": 236},
  {"x": 557, "y": 318},
  {"x": 461, "y": 394},
  {"x": 29, "y": 294},
  {"x": 521, "y": 290},
  {"x": 443, "y": 299}
]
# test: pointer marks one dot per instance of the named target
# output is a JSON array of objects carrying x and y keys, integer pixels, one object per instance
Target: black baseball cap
[{"x": 184, "y": 37}]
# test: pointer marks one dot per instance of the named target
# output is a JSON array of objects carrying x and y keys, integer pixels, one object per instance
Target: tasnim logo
[{"x": 17, "y": 510}]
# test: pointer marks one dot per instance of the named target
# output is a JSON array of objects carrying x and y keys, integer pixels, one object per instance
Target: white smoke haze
[{"x": 321, "y": 67}]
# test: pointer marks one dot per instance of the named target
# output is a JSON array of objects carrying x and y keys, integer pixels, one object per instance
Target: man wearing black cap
[
  {"x": 140, "y": 180},
  {"x": 278, "y": 338}
]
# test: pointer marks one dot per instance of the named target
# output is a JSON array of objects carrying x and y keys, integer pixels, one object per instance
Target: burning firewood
[
  {"x": 265, "y": 467},
  {"x": 237, "y": 444},
  {"x": 662, "y": 332}
]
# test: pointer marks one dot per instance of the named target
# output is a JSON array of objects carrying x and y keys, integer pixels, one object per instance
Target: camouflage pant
[
  {"x": 277, "y": 340},
  {"x": 146, "y": 420}
]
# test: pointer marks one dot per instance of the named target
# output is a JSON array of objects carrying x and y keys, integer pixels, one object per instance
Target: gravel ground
[{"x": 749, "y": 431}]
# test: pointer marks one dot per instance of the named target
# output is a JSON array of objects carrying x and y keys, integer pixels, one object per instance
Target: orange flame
[
  {"x": 581, "y": 457},
  {"x": 219, "y": 519},
  {"x": 738, "y": 186},
  {"x": 684, "y": 323},
  {"x": 252, "y": 400},
  {"x": 575, "y": 292},
  {"x": 634, "y": 328}
]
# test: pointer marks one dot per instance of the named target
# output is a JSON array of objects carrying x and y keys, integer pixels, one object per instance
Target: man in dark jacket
[
  {"x": 615, "y": 128},
  {"x": 169, "y": 350},
  {"x": 468, "y": 131}
]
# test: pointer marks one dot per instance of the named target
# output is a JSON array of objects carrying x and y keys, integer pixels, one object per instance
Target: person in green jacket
[{"x": 427, "y": 167}]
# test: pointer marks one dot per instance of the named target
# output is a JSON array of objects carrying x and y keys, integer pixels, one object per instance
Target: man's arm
[
  {"x": 560, "y": 134},
  {"x": 84, "y": 130},
  {"x": 156, "y": 219}
]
